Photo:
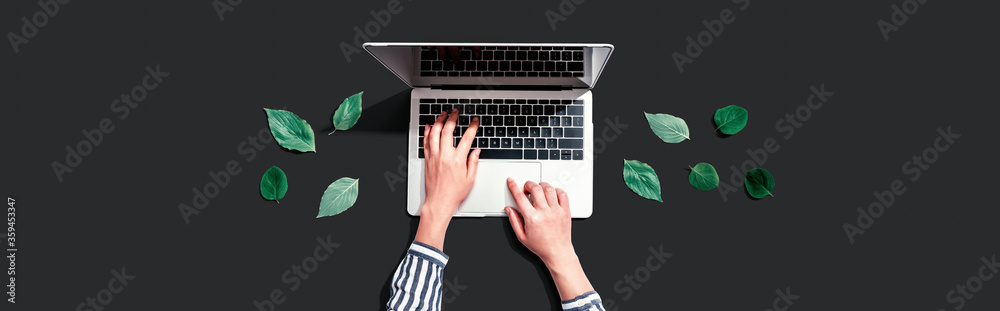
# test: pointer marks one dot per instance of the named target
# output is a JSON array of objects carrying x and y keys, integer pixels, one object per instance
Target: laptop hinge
[{"x": 503, "y": 87}]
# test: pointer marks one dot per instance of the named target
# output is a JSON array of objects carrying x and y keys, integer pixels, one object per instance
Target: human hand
[
  {"x": 544, "y": 225},
  {"x": 449, "y": 171}
]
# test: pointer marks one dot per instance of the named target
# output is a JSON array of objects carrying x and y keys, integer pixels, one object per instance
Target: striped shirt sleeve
[
  {"x": 416, "y": 285},
  {"x": 589, "y": 301}
]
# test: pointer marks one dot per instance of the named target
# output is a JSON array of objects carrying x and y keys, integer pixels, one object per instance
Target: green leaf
[
  {"x": 731, "y": 119},
  {"x": 703, "y": 177},
  {"x": 273, "y": 184},
  {"x": 348, "y": 113},
  {"x": 669, "y": 128},
  {"x": 291, "y": 131},
  {"x": 759, "y": 183},
  {"x": 338, "y": 197},
  {"x": 642, "y": 179}
]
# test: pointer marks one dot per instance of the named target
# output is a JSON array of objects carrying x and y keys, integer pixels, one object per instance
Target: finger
[
  {"x": 435, "y": 134},
  {"x": 563, "y": 198},
  {"x": 427, "y": 130},
  {"x": 442, "y": 54},
  {"x": 476, "y": 52},
  {"x": 519, "y": 197},
  {"x": 447, "y": 133},
  {"x": 550, "y": 194},
  {"x": 537, "y": 194},
  {"x": 473, "y": 163},
  {"x": 516, "y": 222},
  {"x": 453, "y": 53},
  {"x": 468, "y": 137}
]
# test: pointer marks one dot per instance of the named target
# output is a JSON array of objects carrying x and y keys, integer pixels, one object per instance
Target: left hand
[{"x": 449, "y": 171}]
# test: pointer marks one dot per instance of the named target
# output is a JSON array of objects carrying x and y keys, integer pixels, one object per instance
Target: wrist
[
  {"x": 562, "y": 263},
  {"x": 432, "y": 228}
]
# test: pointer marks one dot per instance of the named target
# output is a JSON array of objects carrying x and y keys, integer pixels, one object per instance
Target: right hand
[{"x": 543, "y": 223}]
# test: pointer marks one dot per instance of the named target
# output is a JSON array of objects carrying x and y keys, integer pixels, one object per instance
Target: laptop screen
[{"x": 494, "y": 64}]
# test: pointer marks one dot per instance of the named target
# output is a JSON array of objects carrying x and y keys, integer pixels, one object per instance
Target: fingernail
[
  {"x": 510, "y": 179},
  {"x": 475, "y": 119},
  {"x": 454, "y": 109}
]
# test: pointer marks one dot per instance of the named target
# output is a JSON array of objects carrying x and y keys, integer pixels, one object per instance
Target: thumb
[
  {"x": 516, "y": 222},
  {"x": 473, "y": 163}
]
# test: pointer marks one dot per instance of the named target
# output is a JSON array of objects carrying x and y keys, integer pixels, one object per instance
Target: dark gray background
[{"x": 120, "y": 206}]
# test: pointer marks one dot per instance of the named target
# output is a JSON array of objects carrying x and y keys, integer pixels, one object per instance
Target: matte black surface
[{"x": 119, "y": 207}]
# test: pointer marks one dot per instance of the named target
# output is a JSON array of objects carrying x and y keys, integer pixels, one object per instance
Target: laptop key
[
  {"x": 490, "y": 109},
  {"x": 543, "y": 121},
  {"x": 530, "y": 154},
  {"x": 501, "y": 131},
  {"x": 446, "y": 108},
  {"x": 554, "y": 155},
  {"x": 488, "y": 131},
  {"x": 560, "y": 66},
  {"x": 470, "y": 109},
  {"x": 555, "y": 121},
  {"x": 420, "y": 153},
  {"x": 515, "y": 109},
  {"x": 577, "y": 121},
  {"x": 567, "y": 121},
  {"x": 566, "y": 155},
  {"x": 554, "y": 56},
  {"x": 552, "y": 143},
  {"x": 573, "y": 132},
  {"x": 532, "y": 121},
  {"x": 557, "y": 132},
  {"x": 463, "y": 120},
  {"x": 427, "y": 100},
  {"x": 575, "y": 66},
  {"x": 550, "y": 110},
  {"x": 426, "y": 120},
  {"x": 511, "y": 131},
  {"x": 578, "y": 154},
  {"x": 574, "y": 110},
  {"x": 508, "y": 120},
  {"x": 540, "y": 143},
  {"x": 517, "y": 143},
  {"x": 543, "y": 155},
  {"x": 560, "y": 110},
  {"x": 504, "y": 109},
  {"x": 522, "y": 132},
  {"x": 521, "y": 120},
  {"x": 529, "y": 143},
  {"x": 435, "y": 109},
  {"x": 480, "y": 109},
  {"x": 500, "y": 154},
  {"x": 494, "y": 143},
  {"x": 483, "y": 142},
  {"x": 534, "y": 132},
  {"x": 578, "y": 56},
  {"x": 578, "y": 102},
  {"x": 505, "y": 143},
  {"x": 571, "y": 143},
  {"x": 425, "y": 108},
  {"x": 546, "y": 132},
  {"x": 485, "y": 120}
]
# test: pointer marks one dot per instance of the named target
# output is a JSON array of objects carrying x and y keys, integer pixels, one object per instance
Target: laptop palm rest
[{"x": 490, "y": 193}]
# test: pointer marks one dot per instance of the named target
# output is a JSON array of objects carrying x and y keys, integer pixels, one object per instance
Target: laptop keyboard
[
  {"x": 529, "y": 129},
  {"x": 505, "y": 61}
]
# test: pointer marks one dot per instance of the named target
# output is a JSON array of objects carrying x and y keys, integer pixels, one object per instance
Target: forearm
[
  {"x": 432, "y": 228},
  {"x": 571, "y": 281}
]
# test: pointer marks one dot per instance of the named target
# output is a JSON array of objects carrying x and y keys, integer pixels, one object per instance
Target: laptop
[{"x": 534, "y": 102}]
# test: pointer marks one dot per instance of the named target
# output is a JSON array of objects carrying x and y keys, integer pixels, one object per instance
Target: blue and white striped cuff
[
  {"x": 587, "y": 301},
  {"x": 428, "y": 252}
]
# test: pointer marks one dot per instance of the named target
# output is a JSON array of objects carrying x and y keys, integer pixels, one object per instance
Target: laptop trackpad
[{"x": 490, "y": 193}]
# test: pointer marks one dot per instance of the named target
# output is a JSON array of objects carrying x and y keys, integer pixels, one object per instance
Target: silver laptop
[{"x": 535, "y": 109}]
